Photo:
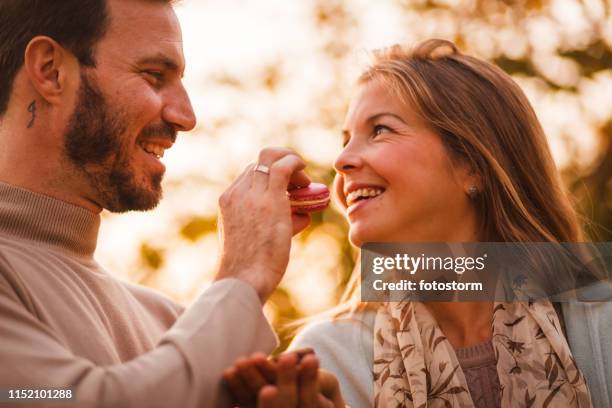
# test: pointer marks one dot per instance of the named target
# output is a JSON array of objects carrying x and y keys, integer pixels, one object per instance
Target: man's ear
[{"x": 49, "y": 67}]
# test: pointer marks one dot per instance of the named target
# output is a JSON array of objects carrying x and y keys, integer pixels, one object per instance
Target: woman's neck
[{"x": 463, "y": 323}]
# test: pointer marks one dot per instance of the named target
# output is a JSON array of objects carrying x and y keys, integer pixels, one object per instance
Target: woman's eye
[{"x": 378, "y": 129}]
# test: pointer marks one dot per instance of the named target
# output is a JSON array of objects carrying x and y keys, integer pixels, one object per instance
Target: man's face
[{"x": 130, "y": 107}]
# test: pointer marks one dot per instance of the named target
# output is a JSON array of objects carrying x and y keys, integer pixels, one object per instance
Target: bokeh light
[{"x": 277, "y": 73}]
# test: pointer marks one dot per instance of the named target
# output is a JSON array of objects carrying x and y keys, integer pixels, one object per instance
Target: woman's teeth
[
  {"x": 153, "y": 149},
  {"x": 363, "y": 193}
]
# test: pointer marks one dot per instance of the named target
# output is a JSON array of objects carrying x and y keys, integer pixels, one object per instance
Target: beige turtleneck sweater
[{"x": 65, "y": 322}]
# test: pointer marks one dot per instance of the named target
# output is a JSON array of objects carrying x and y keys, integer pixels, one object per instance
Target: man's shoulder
[
  {"x": 10, "y": 252},
  {"x": 153, "y": 299},
  {"x": 13, "y": 284},
  {"x": 10, "y": 247},
  {"x": 17, "y": 258},
  {"x": 14, "y": 251}
]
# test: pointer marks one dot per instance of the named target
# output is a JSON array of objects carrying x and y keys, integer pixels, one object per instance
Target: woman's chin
[
  {"x": 358, "y": 237},
  {"x": 355, "y": 242},
  {"x": 360, "y": 234}
]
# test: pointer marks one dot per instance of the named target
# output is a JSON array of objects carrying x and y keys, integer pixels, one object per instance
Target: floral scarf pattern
[{"x": 416, "y": 366}]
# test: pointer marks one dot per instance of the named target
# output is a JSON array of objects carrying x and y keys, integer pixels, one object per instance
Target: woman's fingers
[
  {"x": 308, "y": 388},
  {"x": 269, "y": 398},
  {"x": 323, "y": 402},
  {"x": 286, "y": 380},
  {"x": 284, "y": 394},
  {"x": 251, "y": 377},
  {"x": 289, "y": 380},
  {"x": 329, "y": 387},
  {"x": 239, "y": 391},
  {"x": 248, "y": 377},
  {"x": 266, "y": 368}
]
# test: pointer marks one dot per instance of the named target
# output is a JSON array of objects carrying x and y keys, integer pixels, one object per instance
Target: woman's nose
[{"x": 349, "y": 159}]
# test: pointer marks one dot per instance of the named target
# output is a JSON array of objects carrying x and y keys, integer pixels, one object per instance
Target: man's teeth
[
  {"x": 153, "y": 149},
  {"x": 355, "y": 195}
]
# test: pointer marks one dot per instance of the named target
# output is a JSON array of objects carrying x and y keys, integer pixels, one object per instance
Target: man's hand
[
  {"x": 292, "y": 380},
  {"x": 256, "y": 223}
]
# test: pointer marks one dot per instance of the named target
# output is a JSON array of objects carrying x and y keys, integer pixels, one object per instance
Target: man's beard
[{"x": 93, "y": 144}]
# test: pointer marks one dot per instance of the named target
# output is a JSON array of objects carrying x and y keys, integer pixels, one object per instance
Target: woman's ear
[
  {"x": 49, "y": 67},
  {"x": 472, "y": 184}
]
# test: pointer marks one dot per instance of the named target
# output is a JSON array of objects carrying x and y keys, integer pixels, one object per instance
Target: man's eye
[
  {"x": 156, "y": 76},
  {"x": 378, "y": 129}
]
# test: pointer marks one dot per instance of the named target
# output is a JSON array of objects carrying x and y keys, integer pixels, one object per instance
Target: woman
[{"x": 443, "y": 147}]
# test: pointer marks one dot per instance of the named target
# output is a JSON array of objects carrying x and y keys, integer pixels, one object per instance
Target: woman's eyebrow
[
  {"x": 346, "y": 134},
  {"x": 381, "y": 114}
]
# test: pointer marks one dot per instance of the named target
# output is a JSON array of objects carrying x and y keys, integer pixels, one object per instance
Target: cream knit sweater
[{"x": 65, "y": 322}]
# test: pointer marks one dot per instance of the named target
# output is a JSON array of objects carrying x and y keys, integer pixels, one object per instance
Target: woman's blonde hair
[{"x": 484, "y": 120}]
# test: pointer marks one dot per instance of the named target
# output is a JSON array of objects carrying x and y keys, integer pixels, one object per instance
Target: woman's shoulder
[
  {"x": 344, "y": 347},
  {"x": 349, "y": 330},
  {"x": 589, "y": 332}
]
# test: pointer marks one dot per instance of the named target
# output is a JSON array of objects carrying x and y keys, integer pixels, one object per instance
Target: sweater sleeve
[
  {"x": 183, "y": 370},
  {"x": 344, "y": 347}
]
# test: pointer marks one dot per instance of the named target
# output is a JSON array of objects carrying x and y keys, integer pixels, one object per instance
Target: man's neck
[
  {"x": 38, "y": 168},
  {"x": 49, "y": 187}
]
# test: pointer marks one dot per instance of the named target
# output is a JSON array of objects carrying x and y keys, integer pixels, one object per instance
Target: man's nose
[{"x": 178, "y": 110}]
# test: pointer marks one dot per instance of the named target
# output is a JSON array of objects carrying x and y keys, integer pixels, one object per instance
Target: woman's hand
[{"x": 292, "y": 380}]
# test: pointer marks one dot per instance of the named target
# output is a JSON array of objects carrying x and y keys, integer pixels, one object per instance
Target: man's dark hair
[{"x": 76, "y": 24}]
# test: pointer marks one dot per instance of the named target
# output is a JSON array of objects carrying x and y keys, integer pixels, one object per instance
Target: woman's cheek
[{"x": 338, "y": 191}]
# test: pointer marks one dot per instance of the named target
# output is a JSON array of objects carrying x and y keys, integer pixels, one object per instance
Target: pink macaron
[{"x": 309, "y": 199}]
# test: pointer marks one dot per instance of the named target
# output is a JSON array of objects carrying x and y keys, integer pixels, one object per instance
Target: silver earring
[{"x": 472, "y": 192}]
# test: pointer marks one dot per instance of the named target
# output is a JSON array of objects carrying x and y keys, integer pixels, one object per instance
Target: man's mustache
[{"x": 162, "y": 129}]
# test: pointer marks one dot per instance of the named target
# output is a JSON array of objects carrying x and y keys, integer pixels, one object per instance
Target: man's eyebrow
[{"x": 161, "y": 59}]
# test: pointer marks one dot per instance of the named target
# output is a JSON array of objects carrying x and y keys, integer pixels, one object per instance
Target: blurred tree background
[{"x": 274, "y": 73}]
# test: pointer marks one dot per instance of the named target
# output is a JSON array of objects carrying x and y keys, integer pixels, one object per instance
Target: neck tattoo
[{"x": 32, "y": 110}]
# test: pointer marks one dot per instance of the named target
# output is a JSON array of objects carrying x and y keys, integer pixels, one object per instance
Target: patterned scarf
[{"x": 416, "y": 366}]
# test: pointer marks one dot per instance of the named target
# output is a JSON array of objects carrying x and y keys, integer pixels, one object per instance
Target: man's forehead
[{"x": 143, "y": 28}]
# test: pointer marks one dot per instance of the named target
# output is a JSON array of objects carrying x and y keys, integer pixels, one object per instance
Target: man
[{"x": 90, "y": 98}]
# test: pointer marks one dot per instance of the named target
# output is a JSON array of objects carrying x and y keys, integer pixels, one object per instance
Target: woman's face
[{"x": 395, "y": 178}]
